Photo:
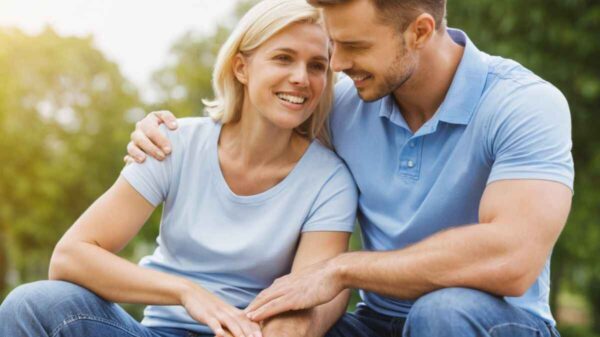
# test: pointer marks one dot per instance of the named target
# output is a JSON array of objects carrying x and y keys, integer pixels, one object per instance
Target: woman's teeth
[{"x": 292, "y": 98}]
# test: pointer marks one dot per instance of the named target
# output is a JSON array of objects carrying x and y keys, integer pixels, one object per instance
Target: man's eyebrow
[
  {"x": 293, "y": 52},
  {"x": 352, "y": 42}
]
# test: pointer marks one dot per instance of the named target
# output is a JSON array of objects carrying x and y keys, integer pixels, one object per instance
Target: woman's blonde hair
[{"x": 259, "y": 24}]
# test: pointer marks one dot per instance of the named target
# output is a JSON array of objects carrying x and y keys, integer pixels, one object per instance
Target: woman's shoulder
[
  {"x": 190, "y": 130},
  {"x": 325, "y": 160},
  {"x": 194, "y": 125}
]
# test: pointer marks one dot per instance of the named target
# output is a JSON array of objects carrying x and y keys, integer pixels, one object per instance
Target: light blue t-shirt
[
  {"x": 234, "y": 246},
  {"x": 498, "y": 121}
]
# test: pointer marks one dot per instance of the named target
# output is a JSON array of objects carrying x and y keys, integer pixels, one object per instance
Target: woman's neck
[{"x": 254, "y": 141}]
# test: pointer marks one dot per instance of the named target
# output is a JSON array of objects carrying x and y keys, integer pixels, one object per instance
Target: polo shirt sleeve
[
  {"x": 335, "y": 206},
  {"x": 152, "y": 178},
  {"x": 530, "y": 136}
]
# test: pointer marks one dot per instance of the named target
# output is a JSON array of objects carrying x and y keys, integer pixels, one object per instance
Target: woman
[{"x": 248, "y": 195}]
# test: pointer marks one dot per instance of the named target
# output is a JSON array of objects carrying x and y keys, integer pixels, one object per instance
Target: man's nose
[{"x": 339, "y": 62}]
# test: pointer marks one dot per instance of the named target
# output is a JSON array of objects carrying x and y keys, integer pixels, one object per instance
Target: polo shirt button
[
  {"x": 411, "y": 144},
  {"x": 410, "y": 164}
]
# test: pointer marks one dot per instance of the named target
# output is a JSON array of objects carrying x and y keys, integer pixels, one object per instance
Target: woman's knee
[{"x": 43, "y": 297}]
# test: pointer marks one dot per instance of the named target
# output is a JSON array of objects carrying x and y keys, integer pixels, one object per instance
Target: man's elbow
[
  {"x": 517, "y": 281},
  {"x": 516, "y": 288}
]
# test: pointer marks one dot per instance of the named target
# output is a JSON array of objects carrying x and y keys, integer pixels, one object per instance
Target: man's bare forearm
[{"x": 481, "y": 256}]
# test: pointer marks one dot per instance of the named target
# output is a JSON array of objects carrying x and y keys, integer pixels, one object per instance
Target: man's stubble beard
[{"x": 399, "y": 73}]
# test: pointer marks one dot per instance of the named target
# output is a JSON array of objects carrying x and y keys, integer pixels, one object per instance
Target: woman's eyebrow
[{"x": 294, "y": 52}]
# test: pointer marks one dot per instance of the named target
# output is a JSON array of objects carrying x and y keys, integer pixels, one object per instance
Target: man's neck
[{"x": 421, "y": 96}]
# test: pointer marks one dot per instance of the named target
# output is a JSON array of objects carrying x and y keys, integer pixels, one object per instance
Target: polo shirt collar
[
  {"x": 464, "y": 92},
  {"x": 468, "y": 83}
]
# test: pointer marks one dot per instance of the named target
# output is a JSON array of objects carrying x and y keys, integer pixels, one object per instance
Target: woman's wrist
[{"x": 184, "y": 289}]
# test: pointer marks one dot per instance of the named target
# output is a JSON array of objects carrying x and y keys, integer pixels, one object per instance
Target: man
[{"x": 465, "y": 174}]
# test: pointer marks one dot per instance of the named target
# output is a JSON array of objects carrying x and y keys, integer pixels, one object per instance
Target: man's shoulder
[
  {"x": 512, "y": 89},
  {"x": 507, "y": 76}
]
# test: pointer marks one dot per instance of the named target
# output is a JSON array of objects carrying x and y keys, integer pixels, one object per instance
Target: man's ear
[
  {"x": 240, "y": 68},
  {"x": 421, "y": 30}
]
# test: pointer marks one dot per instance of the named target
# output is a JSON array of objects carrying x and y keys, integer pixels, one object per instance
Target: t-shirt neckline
[{"x": 219, "y": 178}]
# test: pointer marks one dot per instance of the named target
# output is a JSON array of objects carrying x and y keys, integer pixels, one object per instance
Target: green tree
[
  {"x": 558, "y": 40},
  {"x": 63, "y": 129},
  {"x": 183, "y": 84}
]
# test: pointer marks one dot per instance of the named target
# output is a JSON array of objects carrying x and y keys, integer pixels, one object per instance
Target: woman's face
[{"x": 286, "y": 76}]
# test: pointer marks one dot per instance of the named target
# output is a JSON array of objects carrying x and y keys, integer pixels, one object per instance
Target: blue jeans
[
  {"x": 56, "y": 308},
  {"x": 447, "y": 312}
]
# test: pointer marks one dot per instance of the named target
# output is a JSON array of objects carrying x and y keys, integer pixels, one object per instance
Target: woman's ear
[{"x": 240, "y": 68}]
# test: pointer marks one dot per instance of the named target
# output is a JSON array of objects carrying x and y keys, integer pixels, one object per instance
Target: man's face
[{"x": 372, "y": 53}]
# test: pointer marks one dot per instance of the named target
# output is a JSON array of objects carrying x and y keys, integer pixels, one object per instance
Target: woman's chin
[{"x": 287, "y": 122}]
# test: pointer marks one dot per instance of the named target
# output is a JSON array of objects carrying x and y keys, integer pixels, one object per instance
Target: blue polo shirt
[{"x": 498, "y": 121}]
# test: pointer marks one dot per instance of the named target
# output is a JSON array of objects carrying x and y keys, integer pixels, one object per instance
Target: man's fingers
[
  {"x": 166, "y": 117},
  {"x": 142, "y": 142},
  {"x": 159, "y": 139},
  {"x": 263, "y": 297},
  {"x": 128, "y": 160},
  {"x": 134, "y": 153},
  {"x": 277, "y": 306}
]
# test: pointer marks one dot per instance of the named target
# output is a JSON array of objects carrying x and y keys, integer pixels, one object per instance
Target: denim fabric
[
  {"x": 62, "y": 309},
  {"x": 448, "y": 312}
]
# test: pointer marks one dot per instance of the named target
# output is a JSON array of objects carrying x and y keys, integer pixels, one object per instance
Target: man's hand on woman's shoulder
[{"x": 147, "y": 139}]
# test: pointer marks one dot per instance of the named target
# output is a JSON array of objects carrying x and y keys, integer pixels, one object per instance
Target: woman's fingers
[
  {"x": 249, "y": 328},
  {"x": 222, "y": 318},
  {"x": 214, "y": 324},
  {"x": 231, "y": 324}
]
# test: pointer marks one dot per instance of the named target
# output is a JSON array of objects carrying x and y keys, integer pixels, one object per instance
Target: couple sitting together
[{"x": 456, "y": 163}]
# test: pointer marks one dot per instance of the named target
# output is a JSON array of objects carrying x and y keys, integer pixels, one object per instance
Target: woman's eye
[
  {"x": 284, "y": 58},
  {"x": 318, "y": 66}
]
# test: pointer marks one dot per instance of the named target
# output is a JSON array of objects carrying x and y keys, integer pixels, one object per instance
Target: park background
[{"x": 67, "y": 109}]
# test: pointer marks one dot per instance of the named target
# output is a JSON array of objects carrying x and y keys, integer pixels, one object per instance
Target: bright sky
[{"x": 137, "y": 34}]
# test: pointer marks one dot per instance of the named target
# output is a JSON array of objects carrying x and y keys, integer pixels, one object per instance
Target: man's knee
[{"x": 445, "y": 310}]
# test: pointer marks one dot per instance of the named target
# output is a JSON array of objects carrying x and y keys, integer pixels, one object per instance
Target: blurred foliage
[
  {"x": 558, "y": 40},
  {"x": 63, "y": 127},
  {"x": 66, "y": 114}
]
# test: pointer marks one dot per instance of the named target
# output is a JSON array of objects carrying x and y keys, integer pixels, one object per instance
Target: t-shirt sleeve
[
  {"x": 530, "y": 137},
  {"x": 152, "y": 178},
  {"x": 335, "y": 206}
]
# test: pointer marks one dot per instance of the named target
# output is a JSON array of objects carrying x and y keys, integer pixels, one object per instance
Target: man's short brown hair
[{"x": 400, "y": 12}]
